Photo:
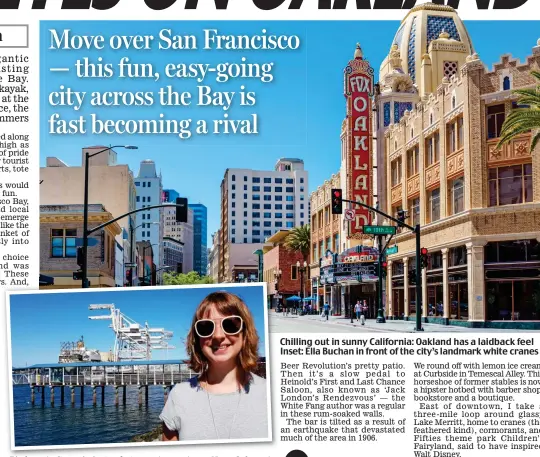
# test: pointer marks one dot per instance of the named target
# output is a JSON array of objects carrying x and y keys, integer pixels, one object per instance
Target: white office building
[
  {"x": 182, "y": 232},
  {"x": 150, "y": 223},
  {"x": 255, "y": 205}
]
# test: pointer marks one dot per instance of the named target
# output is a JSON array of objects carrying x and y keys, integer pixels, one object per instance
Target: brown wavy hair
[{"x": 228, "y": 305}]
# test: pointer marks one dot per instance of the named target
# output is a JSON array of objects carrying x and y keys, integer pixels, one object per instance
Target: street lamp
[
  {"x": 302, "y": 268},
  {"x": 131, "y": 231},
  {"x": 277, "y": 277},
  {"x": 87, "y": 157}
]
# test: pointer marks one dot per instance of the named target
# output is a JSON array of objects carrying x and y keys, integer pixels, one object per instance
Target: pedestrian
[
  {"x": 365, "y": 309},
  {"x": 357, "y": 310},
  {"x": 326, "y": 310}
]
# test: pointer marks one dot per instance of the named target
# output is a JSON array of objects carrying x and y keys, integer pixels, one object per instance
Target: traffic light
[
  {"x": 128, "y": 274},
  {"x": 181, "y": 211},
  {"x": 77, "y": 275},
  {"x": 337, "y": 201},
  {"x": 384, "y": 267},
  {"x": 424, "y": 257},
  {"x": 80, "y": 259},
  {"x": 401, "y": 215}
]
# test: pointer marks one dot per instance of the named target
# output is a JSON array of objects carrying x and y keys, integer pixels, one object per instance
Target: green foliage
[
  {"x": 523, "y": 120},
  {"x": 299, "y": 240},
  {"x": 181, "y": 279}
]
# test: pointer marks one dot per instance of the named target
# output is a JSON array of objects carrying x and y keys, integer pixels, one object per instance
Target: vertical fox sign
[{"x": 358, "y": 92}]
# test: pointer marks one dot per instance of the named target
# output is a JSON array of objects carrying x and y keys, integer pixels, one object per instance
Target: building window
[
  {"x": 506, "y": 83},
  {"x": 268, "y": 223},
  {"x": 278, "y": 206},
  {"x": 301, "y": 206},
  {"x": 396, "y": 171},
  {"x": 234, "y": 187},
  {"x": 245, "y": 178},
  {"x": 268, "y": 215},
  {"x": 412, "y": 161},
  {"x": 267, "y": 206},
  {"x": 278, "y": 198},
  {"x": 149, "y": 183},
  {"x": 434, "y": 201},
  {"x": 245, "y": 186},
  {"x": 414, "y": 210},
  {"x": 256, "y": 188},
  {"x": 256, "y": 206},
  {"x": 267, "y": 232},
  {"x": 233, "y": 231},
  {"x": 450, "y": 68},
  {"x": 279, "y": 215},
  {"x": 245, "y": 214},
  {"x": 456, "y": 196},
  {"x": 233, "y": 222},
  {"x": 256, "y": 197},
  {"x": 289, "y": 189},
  {"x": 278, "y": 180},
  {"x": 144, "y": 183},
  {"x": 289, "y": 207},
  {"x": 290, "y": 224},
  {"x": 245, "y": 205},
  {"x": 454, "y": 135},
  {"x": 301, "y": 180},
  {"x": 149, "y": 199},
  {"x": 256, "y": 223},
  {"x": 138, "y": 198},
  {"x": 278, "y": 189},
  {"x": 233, "y": 196},
  {"x": 432, "y": 149},
  {"x": 302, "y": 197},
  {"x": 294, "y": 273},
  {"x": 233, "y": 240},
  {"x": 290, "y": 215},
  {"x": 267, "y": 189},
  {"x": 245, "y": 223},
  {"x": 256, "y": 180},
  {"x": 245, "y": 240},
  {"x": 267, "y": 198},
  {"x": 279, "y": 224},
  {"x": 63, "y": 242},
  {"x": 233, "y": 213},
  {"x": 267, "y": 180},
  {"x": 245, "y": 196},
  {"x": 256, "y": 215},
  {"x": 510, "y": 185},
  {"x": 289, "y": 181},
  {"x": 290, "y": 198},
  {"x": 234, "y": 177},
  {"x": 137, "y": 183},
  {"x": 245, "y": 231},
  {"x": 495, "y": 120}
]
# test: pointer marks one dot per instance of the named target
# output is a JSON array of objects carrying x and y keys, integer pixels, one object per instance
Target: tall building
[
  {"x": 109, "y": 184},
  {"x": 170, "y": 195},
  {"x": 173, "y": 253},
  {"x": 478, "y": 204},
  {"x": 254, "y": 205},
  {"x": 150, "y": 222},
  {"x": 213, "y": 258},
  {"x": 200, "y": 253},
  {"x": 182, "y": 232}
]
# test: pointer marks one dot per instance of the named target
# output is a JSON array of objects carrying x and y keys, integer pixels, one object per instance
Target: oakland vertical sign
[{"x": 358, "y": 81}]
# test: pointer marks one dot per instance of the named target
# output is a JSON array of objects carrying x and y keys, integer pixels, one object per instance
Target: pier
[{"x": 93, "y": 377}]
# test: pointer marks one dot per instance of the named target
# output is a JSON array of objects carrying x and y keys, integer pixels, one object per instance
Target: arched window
[{"x": 506, "y": 83}]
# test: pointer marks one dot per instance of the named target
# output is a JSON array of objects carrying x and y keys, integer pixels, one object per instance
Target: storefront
[{"x": 512, "y": 270}]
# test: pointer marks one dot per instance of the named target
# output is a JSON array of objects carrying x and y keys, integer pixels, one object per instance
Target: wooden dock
[{"x": 95, "y": 376}]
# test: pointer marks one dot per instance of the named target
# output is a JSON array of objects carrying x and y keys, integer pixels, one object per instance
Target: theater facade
[{"x": 440, "y": 110}]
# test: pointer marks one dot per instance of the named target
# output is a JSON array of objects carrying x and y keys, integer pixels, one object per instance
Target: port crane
[{"x": 132, "y": 341}]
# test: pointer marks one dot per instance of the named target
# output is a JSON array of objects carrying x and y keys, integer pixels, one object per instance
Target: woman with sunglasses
[{"x": 226, "y": 400}]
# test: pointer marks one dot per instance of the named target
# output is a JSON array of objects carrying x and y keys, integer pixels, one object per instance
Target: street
[{"x": 337, "y": 324}]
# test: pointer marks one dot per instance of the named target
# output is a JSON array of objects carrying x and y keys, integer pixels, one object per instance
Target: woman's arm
[{"x": 169, "y": 435}]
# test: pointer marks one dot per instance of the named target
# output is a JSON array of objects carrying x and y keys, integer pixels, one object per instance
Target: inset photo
[{"x": 139, "y": 366}]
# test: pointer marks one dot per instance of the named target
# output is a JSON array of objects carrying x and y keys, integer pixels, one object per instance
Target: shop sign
[{"x": 358, "y": 91}]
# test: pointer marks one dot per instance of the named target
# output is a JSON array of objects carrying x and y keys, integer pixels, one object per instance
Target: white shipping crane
[{"x": 132, "y": 341}]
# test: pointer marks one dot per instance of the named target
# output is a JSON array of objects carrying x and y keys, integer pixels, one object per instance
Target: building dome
[{"x": 421, "y": 32}]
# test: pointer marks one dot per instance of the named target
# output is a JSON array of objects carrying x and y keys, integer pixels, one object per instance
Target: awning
[{"x": 46, "y": 280}]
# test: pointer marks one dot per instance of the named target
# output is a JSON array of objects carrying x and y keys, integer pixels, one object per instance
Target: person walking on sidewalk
[
  {"x": 365, "y": 309},
  {"x": 357, "y": 310},
  {"x": 326, "y": 310}
]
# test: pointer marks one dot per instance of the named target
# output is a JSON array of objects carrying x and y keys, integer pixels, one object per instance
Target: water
[{"x": 43, "y": 424}]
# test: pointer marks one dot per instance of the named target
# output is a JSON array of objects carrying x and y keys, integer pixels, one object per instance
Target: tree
[
  {"x": 181, "y": 279},
  {"x": 523, "y": 120},
  {"x": 299, "y": 240}
]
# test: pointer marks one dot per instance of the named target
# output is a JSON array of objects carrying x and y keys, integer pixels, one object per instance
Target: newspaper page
[{"x": 266, "y": 227}]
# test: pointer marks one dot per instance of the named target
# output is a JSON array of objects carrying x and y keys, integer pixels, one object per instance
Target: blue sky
[
  {"x": 40, "y": 322},
  {"x": 300, "y": 111}
]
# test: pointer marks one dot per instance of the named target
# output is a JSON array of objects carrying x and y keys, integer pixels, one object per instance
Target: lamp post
[
  {"x": 131, "y": 231},
  {"x": 277, "y": 276},
  {"x": 302, "y": 268},
  {"x": 87, "y": 157}
]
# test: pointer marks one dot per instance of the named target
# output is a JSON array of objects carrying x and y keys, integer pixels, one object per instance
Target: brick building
[
  {"x": 278, "y": 258},
  {"x": 440, "y": 112},
  {"x": 60, "y": 226}
]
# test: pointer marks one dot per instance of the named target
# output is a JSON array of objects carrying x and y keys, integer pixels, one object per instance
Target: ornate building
[{"x": 439, "y": 117}]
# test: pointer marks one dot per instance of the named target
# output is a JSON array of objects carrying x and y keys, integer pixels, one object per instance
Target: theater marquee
[{"x": 358, "y": 92}]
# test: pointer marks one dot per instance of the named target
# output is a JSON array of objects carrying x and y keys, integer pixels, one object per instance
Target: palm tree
[
  {"x": 523, "y": 120},
  {"x": 299, "y": 240}
]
